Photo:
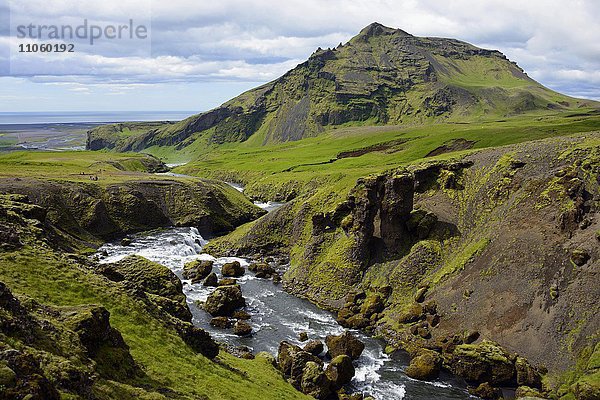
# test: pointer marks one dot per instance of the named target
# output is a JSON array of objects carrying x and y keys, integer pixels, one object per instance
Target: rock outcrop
[{"x": 96, "y": 212}]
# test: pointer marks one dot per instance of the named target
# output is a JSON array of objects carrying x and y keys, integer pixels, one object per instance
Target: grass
[
  {"x": 309, "y": 160},
  {"x": 164, "y": 357},
  {"x": 77, "y": 166}
]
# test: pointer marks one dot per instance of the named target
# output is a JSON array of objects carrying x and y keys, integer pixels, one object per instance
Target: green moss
[{"x": 458, "y": 259}]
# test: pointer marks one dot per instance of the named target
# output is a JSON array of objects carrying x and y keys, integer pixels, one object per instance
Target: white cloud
[{"x": 553, "y": 40}]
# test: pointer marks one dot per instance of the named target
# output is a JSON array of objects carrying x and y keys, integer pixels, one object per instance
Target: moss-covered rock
[
  {"x": 224, "y": 300},
  {"x": 211, "y": 280},
  {"x": 242, "y": 328},
  {"x": 587, "y": 387},
  {"x": 158, "y": 283},
  {"x": 486, "y": 391},
  {"x": 484, "y": 362},
  {"x": 526, "y": 392},
  {"x": 232, "y": 269},
  {"x": 314, "y": 347},
  {"x": 425, "y": 366},
  {"x": 527, "y": 375},
  {"x": 197, "y": 270},
  {"x": 340, "y": 371},
  {"x": 346, "y": 343},
  {"x": 314, "y": 381}
]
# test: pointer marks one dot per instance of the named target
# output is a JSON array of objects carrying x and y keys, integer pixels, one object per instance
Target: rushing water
[{"x": 277, "y": 316}]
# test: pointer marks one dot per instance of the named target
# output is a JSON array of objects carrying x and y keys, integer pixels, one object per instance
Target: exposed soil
[{"x": 449, "y": 147}]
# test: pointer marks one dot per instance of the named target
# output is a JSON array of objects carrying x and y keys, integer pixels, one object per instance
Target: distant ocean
[{"x": 26, "y": 118}]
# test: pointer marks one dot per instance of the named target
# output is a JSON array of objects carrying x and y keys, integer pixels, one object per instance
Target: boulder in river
[
  {"x": 262, "y": 270},
  {"x": 242, "y": 328},
  {"x": 314, "y": 347},
  {"x": 299, "y": 361},
  {"x": 303, "y": 336},
  {"x": 241, "y": 314},
  {"x": 211, "y": 280},
  {"x": 425, "y": 366},
  {"x": 197, "y": 270},
  {"x": 233, "y": 269},
  {"x": 224, "y": 300},
  {"x": 227, "y": 282},
  {"x": 221, "y": 322},
  {"x": 340, "y": 371},
  {"x": 314, "y": 382},
  {"x": 285, "y": 353},
  {"x": 291, "y": 360},
  {"x": 346, "y": 344}
]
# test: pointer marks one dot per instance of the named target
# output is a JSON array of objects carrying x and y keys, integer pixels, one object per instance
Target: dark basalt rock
[
  {"x": 425, "y": 366},
  {"x": 340, "y": 371},
  {"x": 285, "y": 354},
  {"x": 197, "y": 270},
  {"x": 291, "y": 361},
  {"x": 224, "y": 300},
  {"x": 241, "y": 314},
  {"x": 527, "y": 375},
  {"x": 151, "y": 281},
  {"x": 412, "y": 314},
  {"x": 346, "y": 344},
  {"x": 484, "y": 362},
  {"x": 242, "y": 328},
  {"x": 9, "y": 238},
  {"x": 233, "y": 269},
  {"x": 211, "y": 280},
  {"x": 221, "y": 322},
  {"x": 22, "y": 376},
  {"x": 486, "y": 392},
  {"x": 314, "y": 347},
  {"x": 198, "y": 339},
  {"x": 262, "y": 270},
  {"x": 314, "y": 381},
  {"x": 579, "y": 257},
  {"x": 91, "y": 323}
]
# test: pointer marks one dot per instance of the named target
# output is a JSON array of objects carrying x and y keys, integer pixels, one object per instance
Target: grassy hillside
[
  {"x": 346, "y": 153},
  {"x": 382, "y": 76}
]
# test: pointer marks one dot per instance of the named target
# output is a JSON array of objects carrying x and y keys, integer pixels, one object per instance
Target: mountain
[{"x": 382, "y": 76}]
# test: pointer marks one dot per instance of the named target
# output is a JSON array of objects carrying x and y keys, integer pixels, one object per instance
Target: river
[{"x": 277, "y": 315}]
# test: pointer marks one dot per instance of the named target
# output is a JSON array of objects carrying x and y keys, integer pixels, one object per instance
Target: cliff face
[
  {"x": 90, "y": 212},
  {"x": 381, "y": 76},
  {"x": 504, "y": 241}
]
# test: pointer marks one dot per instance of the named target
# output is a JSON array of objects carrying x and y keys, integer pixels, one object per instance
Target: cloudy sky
[{"x": 198, "y": 54}]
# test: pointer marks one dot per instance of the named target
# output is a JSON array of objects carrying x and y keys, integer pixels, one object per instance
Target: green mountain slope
[{"x": 382, "y": 76}]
